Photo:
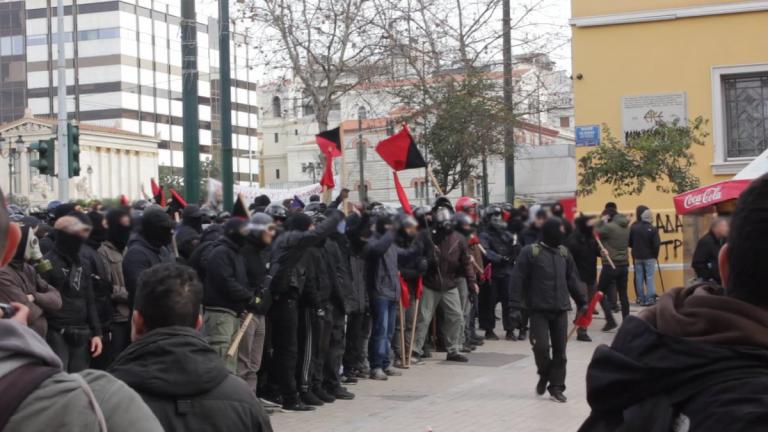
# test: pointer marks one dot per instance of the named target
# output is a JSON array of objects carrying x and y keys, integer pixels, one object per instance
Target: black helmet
[
  {"x": 442, "y": 202},
  {"x": 463, "y": 223},
  {"x": 404, "y": 220},
  {"x": 315, "y": 207},
  {"x": 491, "y": 211},
  {"x": 442, "y": 215},
  {"x": 277, "y": 211},
  {"x": 261, "y": 222}
]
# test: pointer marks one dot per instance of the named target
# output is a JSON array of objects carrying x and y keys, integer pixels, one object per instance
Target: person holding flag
[
  {"x": 330, "y": 146},
  {"x": 412, "y": 264}
]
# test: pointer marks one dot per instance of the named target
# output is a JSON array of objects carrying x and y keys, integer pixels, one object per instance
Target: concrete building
[
  {"x": 637, "y": 62},
  {"x": 291, "y": 157},
  {"x": 112, "y": 162},
  {"x": 124, "y": 72}
]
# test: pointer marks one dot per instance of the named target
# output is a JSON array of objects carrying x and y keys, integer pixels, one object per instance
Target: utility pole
[
  {"x": 61, "y": 131},
  {"x": 225, "y": 95},
  {"x": 191, "y": 115},
  {"x": 509, "y": 131},
  {"x": 363, "y": 189}
]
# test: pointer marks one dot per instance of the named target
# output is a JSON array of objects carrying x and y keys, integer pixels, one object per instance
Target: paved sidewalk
[{"x": 493, "y": 392}]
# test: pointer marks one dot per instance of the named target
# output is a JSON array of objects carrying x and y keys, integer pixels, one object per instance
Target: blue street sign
[{"x": 587, "y": 136}]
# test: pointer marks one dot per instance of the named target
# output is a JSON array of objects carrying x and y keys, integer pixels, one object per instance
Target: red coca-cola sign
[{"x": 706, "y": 196}]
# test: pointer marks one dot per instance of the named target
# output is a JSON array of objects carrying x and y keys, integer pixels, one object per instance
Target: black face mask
[
  {"x": 195, "y": 223},
  {"x": 118, "y": 234},
  {"x": 515, "y": 225},
  {"x": 158, "y": 236},
  {"x": 552, "y": 233},
  {"x": 69, "y": 244},
  {"x": 237, "y": 238}
]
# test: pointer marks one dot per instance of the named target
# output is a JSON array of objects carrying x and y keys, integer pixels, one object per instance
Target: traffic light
[
  {"x": 45, "y": 154},
  {"x": 73, "y": 149}
]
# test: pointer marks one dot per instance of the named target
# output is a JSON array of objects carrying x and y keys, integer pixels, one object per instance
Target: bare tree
[{"x": 329, "y": 46}]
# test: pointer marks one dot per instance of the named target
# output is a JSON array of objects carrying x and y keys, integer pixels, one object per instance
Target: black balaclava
[
  {"x": 552, "y": 232},
  {"x": 69, "y": 244},
  {"x": 382, "y": 222},
  {"x": 193, "y": 217},
  {"x": 157, "y": 227},
  {"x": 582, "y": 225},
  {"x": 232, "y": 230},
  {"x": 299, "y": 222},
  {"x": 639, "y": 212},
  {"x": 99, "y": 232},
  {"x": 557, "y": 210},
  {"x": 117, "y": 233}
]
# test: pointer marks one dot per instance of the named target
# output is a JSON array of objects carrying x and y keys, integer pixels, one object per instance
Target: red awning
[{"x": 703, "y": 197}]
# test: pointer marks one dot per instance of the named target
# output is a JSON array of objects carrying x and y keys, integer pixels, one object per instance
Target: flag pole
[
  {"x": 413, "y": 329},
  {"x": 343, "y": 174},
  {"x": 402, "y": 335},
  {"x": 434, "y": 181}
]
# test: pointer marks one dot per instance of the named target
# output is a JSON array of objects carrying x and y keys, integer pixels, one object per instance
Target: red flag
[
  {"x": 326, "y": 180},
  {"x": 157, "y": 193},
  {"x": 405, "y": 295},
  {"x": 400, "y": 151},
  {"x": 585, "y": 319},
  {"x": 330, "y": 142},
  {"x": 124, "y": 201},
  {"x": 488, "y": 272},
  {"x": 177, "y": 198},
  {"x": 401, "y": 195}
]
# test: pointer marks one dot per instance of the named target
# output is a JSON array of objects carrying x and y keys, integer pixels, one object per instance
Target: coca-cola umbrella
[{"x": 702, "y": 199}]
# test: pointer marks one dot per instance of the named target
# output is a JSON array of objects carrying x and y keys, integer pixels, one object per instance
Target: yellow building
[{"x": 636, "y": 61}]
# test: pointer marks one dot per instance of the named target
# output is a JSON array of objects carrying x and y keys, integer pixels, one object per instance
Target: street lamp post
[
  {"x": 13, "y": 153},
  {"x": 363, "y": 191}
]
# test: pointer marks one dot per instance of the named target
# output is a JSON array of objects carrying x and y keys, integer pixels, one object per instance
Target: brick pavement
[{"x": 493, "y": 392}]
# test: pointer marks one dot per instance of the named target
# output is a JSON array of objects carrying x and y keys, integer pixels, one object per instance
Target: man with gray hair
[{"x": 704, "y": 261}]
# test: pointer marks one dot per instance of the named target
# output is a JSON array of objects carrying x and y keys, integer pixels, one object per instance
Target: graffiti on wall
[{"x": 670, "y": 225}]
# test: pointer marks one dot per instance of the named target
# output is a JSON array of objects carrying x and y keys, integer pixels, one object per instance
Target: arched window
[{"x": 277, "y": 109}]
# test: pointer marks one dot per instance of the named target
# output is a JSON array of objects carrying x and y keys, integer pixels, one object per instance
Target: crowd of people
[{"x": 210, "y": 316}]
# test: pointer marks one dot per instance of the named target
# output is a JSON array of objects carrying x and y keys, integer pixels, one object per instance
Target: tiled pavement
[{"x": 493, "y": 392}]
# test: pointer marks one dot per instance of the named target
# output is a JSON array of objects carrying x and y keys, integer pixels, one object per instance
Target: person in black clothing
[
  {"x": 501, "y": 249},
  {"x": 179, "y": 376},
  {"x": 227, "y": 293},
  {"x": 558, "y": 211},
  {"x": 74, "y": 332},
  {"x": 357, "y": 305},
  {"x": 288, "y": 272},
  {"x": 645, "y": 243},
  {"x": 544, "y": 278},
  {"x": 705, "y": 256},
  {"x": 532, "y": 234},
  {"x": 188, "y": 232},
  {"x": 256, "y": 256},
  {"x": 148, "y": 247},
  {"x": 412, "y": 266},
  {"x": 96, "y": 270},
  {"x": 584, "y": 249},
  {"x": 48, "y": 242},
  {"x": 697, "y": 360},
  {"x": 199, "y": 257}
]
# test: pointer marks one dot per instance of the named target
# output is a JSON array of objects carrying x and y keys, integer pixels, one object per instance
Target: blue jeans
[
  {"x": 383, "y": 315},
  {"x": 644, "y": 271}
]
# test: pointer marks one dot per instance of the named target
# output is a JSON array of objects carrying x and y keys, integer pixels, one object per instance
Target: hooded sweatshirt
[
  {"x": 643, "y": 236},
  {"x": 87, "y": 401},
  {"x": 615, "y": 238},
  {"x": 186, "y": 384},
  {"x": 698, "y": 361}
]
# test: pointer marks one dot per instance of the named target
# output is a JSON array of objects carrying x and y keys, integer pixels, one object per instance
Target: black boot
[
  {"x": 490, "y": 335},
  {"x": 523, "y": 335}
]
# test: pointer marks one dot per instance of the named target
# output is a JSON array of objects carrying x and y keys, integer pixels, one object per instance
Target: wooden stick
[
  {"x": 413, "y": 330},
  {"x": 434, "y": 181},
  {"x": 402, "y": 336},
  {"x": 232, "y": 351},
  {"x": 571, "y": 333},
  {"x": 605, "y": 252}
]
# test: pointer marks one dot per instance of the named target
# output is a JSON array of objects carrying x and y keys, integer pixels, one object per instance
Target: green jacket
[{"x": 615, "y": 238}]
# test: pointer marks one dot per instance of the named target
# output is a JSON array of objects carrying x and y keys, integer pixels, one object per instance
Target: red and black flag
[
  {"x": 177, "y": 203},
  {"x": 330, "y": 142},
  {"x": 239, "y": 209},
  {"x": 330, "y": 145},
  {"x": 158, "y": 195},
  {"x": 400, "y": 152}
]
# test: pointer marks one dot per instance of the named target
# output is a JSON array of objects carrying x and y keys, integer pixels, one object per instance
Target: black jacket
[
  {"x": 345, "y": 276},
  {"x": 501, "y": 250},
  {"x": 645, "y": 379},
  {"x": 98, "y": 273},
  {"x": 704, "y": 261},
  {"x": 543, "y": 281},
  {"x": 186, "y": 385},
  {"x": 644, "y": 241},
  {"x": 78, "y": 306},
  {"x": 286, "y": 267},
  {"x": 585, "y": 251},
  {"x": 412, "y": 260},
  {"x": 139, "y": 256},
  {"x": 530, "y": 235},
  {"x": 226, "y": 282}
]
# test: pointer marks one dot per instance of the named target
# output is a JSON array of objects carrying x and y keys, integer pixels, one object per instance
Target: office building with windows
[{"x": 123, "y": 62}]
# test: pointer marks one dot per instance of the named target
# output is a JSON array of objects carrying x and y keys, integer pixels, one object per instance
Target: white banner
[{"x": 275, "y": 195}]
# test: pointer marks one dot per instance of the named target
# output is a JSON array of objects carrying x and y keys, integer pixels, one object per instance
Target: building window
[
  {"x": 746, "y": 114},
  {"x": 277, "y": 110},
  {"x": 277, "y": 137},
  {"x": 296, "y": 132},
  {"x": 277, "y": 174},
  {"x": 565, "y": 122}
]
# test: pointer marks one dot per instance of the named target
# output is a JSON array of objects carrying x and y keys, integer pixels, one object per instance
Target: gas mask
[
  {"x": 34, "y": 256},
  {"x": 498, "y": 222}
]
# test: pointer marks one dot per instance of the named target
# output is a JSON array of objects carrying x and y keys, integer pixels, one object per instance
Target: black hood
[
  {"x": 170, "y": 362},
  {"x": 651, "y": 363}
]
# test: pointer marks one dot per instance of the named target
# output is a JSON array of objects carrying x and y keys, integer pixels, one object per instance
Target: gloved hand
[
  {"x": 260, "y": 303},
  {"x": 515, "y": 317},
  {"x": 423, "y": 265}
]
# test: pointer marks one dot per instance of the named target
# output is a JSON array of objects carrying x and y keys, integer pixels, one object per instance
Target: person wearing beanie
[
  {"x": 111, "y": 252},
  {"x": 149, "y": 247},
  {"x": 287, "y": 270},
  {"x": 74, "y": 331},
  {"x": 21, "y": 283},
  {"x": 260, "y": 203},
  {"x": 613, "y": 231},
  {"x": 645, "y": 243},
  {"x": 544, "y": 280}
]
